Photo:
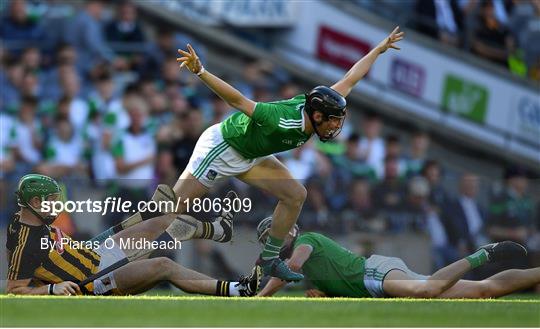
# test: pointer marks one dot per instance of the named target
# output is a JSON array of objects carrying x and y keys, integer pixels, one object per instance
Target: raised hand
[
  {"x": 190, "y": 60},
  {"x": 389, "y": 41}
]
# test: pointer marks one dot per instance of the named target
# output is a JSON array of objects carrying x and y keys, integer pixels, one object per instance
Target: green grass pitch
[{"x": 179, "y": 311}]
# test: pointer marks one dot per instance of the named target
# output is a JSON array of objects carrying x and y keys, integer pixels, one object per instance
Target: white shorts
[
  {"x": 214, "y": 159},
  {"x": 377, "y": 267},
  {"x": 108, "y": 256}
]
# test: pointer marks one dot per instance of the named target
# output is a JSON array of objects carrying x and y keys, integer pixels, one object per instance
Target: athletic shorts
[
  {"x": 377, "y": 267},
  {"x": 106, "y": 284},
  {"x": 214, "y": 159}
]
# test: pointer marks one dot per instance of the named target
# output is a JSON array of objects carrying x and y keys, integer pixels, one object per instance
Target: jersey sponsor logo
[
  {"x": 300, "y": 143},
  {"x": 211, "y": 175},
  {"x": 287, "y": 141},
  {"x": 290, "y": 123}
]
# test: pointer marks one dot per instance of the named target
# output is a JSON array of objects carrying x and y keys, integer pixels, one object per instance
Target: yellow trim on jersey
[
  {"x": 59, "y": 261},
  {"x": 17, "y": 254},
  {"x": 42, "y": 273},
  {"x": 84, "y": 260}
]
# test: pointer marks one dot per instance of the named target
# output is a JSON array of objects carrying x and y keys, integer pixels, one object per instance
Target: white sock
[{"x": 233, "y": 289}]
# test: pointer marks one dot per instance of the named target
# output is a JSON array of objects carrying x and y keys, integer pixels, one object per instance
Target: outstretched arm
[
  {"x": 221, "y": 88},
  {"x": 299, "y": 257},
  {"x": 359, "y": 70}
]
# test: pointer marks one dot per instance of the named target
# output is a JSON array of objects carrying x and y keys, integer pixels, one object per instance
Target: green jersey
[
  {"x": 333, "y": 269},
  {"x": 273, "y": 127}
]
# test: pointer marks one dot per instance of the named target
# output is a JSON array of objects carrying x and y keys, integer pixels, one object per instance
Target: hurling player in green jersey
[
  {"x": 243, "y": 145},
  {"x": 338, "y": 272}
]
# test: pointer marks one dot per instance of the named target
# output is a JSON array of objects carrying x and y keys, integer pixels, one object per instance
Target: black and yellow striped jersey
[{"x": 30, "y": 255}]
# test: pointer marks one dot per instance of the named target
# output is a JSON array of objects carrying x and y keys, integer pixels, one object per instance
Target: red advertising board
[{"x": 339, "y": 48}]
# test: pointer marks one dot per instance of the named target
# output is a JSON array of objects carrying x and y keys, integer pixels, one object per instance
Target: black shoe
[
  {"x": 226, "y": 217},
  {"x": 504, "y": 250},
  {"x": 249, "y": 285}
]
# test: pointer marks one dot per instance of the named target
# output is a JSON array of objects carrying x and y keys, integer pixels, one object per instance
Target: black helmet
[{"x": 330, "y": 103}]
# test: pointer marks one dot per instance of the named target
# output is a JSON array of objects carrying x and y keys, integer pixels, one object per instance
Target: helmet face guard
[{"x": 331, "y": 104}]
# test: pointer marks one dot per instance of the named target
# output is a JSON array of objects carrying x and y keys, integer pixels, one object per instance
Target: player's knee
[
  {"x": 296, "y": 195},
  {"x": 164, "y": 266}
]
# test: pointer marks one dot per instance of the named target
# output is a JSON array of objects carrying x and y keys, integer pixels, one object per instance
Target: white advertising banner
[
  {"x": 418, "y": 79},
  {"x": 252, "y": 13}
]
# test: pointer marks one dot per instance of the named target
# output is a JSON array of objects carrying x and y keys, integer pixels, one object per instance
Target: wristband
[
  {"x": 201, "y": 71},
  {"x": 51, "y": 289}
]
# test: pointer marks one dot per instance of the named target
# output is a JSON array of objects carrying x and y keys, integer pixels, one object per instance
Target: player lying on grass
[
  {"x": 243, "y": 145},
  {"x": 36, "y": 268},
  {"x": 337, "y": 272}
]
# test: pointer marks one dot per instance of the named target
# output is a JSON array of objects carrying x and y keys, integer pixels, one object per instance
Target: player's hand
[
  {"x": 190, "y": 60},
  {"x": 314, "y": 293},
  {"x": 389, "y": 41},
  {"x": 66, "y": 288}
]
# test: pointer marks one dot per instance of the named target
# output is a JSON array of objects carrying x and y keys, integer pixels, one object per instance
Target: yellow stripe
[
  {"x": 223, "y": 288},
  {"x": 85, "y": 261},
  {"x": 42, "y": 273},
  {"x": 17, "y": 255},
  {"x": 12, "y": 268},
  {"x": 66, "y": 266},
  {"x": 208, "y": 230},
  {"x": 205, "y": 230},
  {"x": 24, "y": 239}
]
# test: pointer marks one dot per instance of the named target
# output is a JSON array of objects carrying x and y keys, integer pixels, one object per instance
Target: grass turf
[{"x": 179, "y": 311}]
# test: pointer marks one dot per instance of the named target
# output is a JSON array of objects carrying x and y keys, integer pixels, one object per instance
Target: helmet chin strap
[
  {"x": 47, "y": 220},
  {"x": 315, "y": 125}
]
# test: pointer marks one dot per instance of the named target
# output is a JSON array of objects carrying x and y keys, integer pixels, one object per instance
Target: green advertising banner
[{"x": 465, "y": 98}]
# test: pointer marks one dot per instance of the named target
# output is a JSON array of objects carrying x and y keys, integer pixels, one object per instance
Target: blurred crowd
[
  {"x": 505, "y": 32},
  {"x": 102, "y": 102}
]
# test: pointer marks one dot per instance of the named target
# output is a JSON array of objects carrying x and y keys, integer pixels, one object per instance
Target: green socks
[
  {"x": 479, "y": 258},
  {"x": 271, "y": 248}
]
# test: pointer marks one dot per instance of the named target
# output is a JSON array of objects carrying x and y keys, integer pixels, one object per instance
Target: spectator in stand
[
  {"x": 492, "y": 39},
  {"x": 190, "y": 123},
  {"x": 85, "y": 34},
  {"x": 78, "y": 109},
  {"x": 301, "y": 161},
  {"x": 393, "y": 149},
  {"x": 7, "y": 143},
  {"x": 511, "y": 214},
  {"x": 63, "y": 154},
  {"x": 134, "y": 151},
  {"x": 371, "y": 146},
  {"x": 465, "y": 218},
  {"x": 18, "y": 31},
  {"x": 104, "y": 101},
  {"x": 440, "y": 19},
  {"x": 126, "y": 29},
  {"x": 418, "y": 153},
  {"x": 102, "y": 159},
  {"x": 316, "y": 211},
  {"x": 438, "y": 197},
  {"x": 360, "y": 214},
  {"x": 349, "y": 164},
  {"x": 11, "y": 77},
  {"x": 28, "y": 136},
  {"x": 389, "y": 195},
  {"x": 525, "y": 27}
]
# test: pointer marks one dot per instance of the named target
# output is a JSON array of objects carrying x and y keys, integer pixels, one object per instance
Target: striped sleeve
[{"x": 23, "y": 261}]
